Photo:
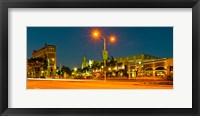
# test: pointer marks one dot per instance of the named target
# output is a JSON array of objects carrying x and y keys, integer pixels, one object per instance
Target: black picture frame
[{"x": 6, "y": 4}]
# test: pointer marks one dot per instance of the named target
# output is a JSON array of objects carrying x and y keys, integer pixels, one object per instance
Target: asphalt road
[{"x": 96, "y": 84}]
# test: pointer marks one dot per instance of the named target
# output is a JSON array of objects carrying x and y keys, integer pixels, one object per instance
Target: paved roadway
[{"x": 96, "y": 84}]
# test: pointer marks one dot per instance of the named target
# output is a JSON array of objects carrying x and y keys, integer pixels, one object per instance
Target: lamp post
[
  {"x": 96, "y": 34},
  {"x": 104, "y": 50}
]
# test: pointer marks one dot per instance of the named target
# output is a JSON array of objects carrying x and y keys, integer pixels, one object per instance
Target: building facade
[
  {"x": 48, "y": 52},
  {"x": 146, "y": 65},
  {"x": 141, "y": 65}
]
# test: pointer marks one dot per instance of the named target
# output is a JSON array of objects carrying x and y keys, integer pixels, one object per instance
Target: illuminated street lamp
[
  {"x": 97, "y": 34},
  {"x": 75, "y": 69},
  {"x": 112, "y": 39}
]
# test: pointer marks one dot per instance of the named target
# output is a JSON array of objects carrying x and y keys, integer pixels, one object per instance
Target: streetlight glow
[
  {"x": 53, "y": 59},
  {"x": 123, "y": 67},
  {"x": 95, "y": 34},
  {"x": 112, "y": 39}
]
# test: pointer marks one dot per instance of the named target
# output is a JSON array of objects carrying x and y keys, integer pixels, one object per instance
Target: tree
[
  {"x": 79, "y": 70},
  {"x": 45, "y": 64},
  {"x": 66, "y": 69},
  {"x": 111, "y": 62},
  {"x": 85, "y": 69},
  {"x": 95, "y": 66},
  {"x": 37, "y": 64}
]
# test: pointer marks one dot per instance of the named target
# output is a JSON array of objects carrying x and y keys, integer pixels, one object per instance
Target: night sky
[{"x": 74, "y": 42}]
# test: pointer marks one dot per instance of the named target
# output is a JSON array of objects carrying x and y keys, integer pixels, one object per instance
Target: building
[
  {"x": 84, "y": 62},
  {"x": 141, "y": 65},
  {"x": 48, "y": 52}
]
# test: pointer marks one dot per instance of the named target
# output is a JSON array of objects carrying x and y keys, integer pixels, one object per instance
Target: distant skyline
[{"x": 74, "y": 42}]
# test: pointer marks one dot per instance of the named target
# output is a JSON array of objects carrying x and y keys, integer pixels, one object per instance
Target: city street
[
  {"x": 96, "y": 84},
  {"x": 124, "y": 66}
]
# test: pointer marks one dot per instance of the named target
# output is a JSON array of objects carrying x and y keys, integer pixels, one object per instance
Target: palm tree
[
  {"x": 111, "y": 62},
  {"x": 95, "y": 66}
]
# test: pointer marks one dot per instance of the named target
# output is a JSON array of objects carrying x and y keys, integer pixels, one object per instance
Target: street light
[
  {"x": 75, "y": 69},
  {"x": 97, "y": 34},
  {"x": 112, "y": 39}
]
